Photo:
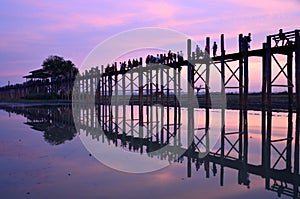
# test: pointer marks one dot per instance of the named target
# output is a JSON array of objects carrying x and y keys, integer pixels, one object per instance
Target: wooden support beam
[
  {"x": 241, "y": 97},
  {"x": 269, "y": 109},
  {"x": 263, "y": 112},
  {"x": 245, "y": 103},
  {"x": 297, "y": 79}
]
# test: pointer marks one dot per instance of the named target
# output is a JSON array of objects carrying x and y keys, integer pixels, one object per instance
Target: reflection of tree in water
[
  {"x": 56, "y": 134},
  {"x": 62, "y": 127},
  {"x": 56, "y": 122}
]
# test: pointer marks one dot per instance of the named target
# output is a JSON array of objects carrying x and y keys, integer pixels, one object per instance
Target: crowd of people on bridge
[
  {"x": 165, "y": 58},
  {"x": 168, "y": 58}
]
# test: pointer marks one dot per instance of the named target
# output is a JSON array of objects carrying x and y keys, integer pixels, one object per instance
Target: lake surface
[{"x": 44, "y": 155}]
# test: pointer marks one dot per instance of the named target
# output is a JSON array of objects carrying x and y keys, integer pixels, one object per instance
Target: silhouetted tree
[{"x": 57, "y": 65}]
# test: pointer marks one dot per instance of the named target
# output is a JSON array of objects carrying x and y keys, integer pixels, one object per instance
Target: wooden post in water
[
  {"x": 241, "y": 97},
  {"x": 207, "y": 73},
  {"x": 175, "y": 105},
  {"x": 290, "y": 110},
  {"x": 116, "y": 101},
  {"x": 222, "y": 110},
  {"x": 245, "y": 104},
  {"x": 156, "y": 85},
  {"x": 132, "y": 97},
  {"x": 168, "y": 104},
  {"x": 162, "y": 102},
  {"x": 297, "y": 79},
  {"x": 124, "y": 97},
  {"x": 207, "y": 95},
  {"x": 190, "y": 109},
  {"x": 103, "y": 93},
  {"x": 263, "y": 103},
  {"x": 86, "y": 85},
  {"x": 92, "y": 87},
  {"x": 269, "y": 110},
  {"x": 141, "y": 94}
]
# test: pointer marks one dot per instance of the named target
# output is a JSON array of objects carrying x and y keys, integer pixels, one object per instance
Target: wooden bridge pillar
[
  {"x": 245, "y": 104},
  {"x": 207, "y": 74},
  {"x": 189, "y": 49},
  {"x": 290, "y": 110},
  {"x": 268, "y": 79},
  {"x": 241, "y": 97},
  {"x": 263, "y": 101},
  {"x": 297, "y": 78},
  {"x": 123, "y": 98},
  {"x": 141, "y": 94},
  {"x": 162, "y": 102},
  {"x": 222, "y": 110},
  {"x": 116, "y": 101},
  {"x": 102, "y": 92}
]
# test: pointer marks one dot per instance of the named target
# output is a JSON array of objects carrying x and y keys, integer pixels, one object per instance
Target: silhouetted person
[
  {"x": 197, "y": 164},
  {"x": 206, "y": 53},
  {"x": 197, "y": 51},
  {"x": 283, "y": 37},
  {"x": 214, "y": 169},
  {"x": 129, "y": 64},
  {"x": 181, "y": 54},
  {"x": 215, "y": 48},
  {"x": 174, "y": 56},
  {"x": 148, "y": 59},
  {"x": 248, "y": 40},
  {"x": 170, "y": 56}
]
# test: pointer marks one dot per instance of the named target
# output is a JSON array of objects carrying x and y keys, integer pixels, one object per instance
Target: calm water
[{"x": 42, "y": 156}]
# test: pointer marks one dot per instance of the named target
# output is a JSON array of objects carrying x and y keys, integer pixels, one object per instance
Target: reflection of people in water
[
  {"x": 244, "y": 178},
  {"x": 198, "y": 163},
  {"x": 214, "y": 169},
  {"x": 180, "y": 159}
]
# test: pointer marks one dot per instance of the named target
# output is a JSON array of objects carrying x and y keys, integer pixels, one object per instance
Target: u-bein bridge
[
  {"x": 162, "y": 83},
  {"x": 134, "y": 90}
]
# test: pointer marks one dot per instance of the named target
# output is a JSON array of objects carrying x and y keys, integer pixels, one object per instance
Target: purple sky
[{"x": 33, "y": 30}]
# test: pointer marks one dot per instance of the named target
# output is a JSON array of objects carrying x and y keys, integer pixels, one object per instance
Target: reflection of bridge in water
[
  {"x": 122, "y": 128},
  {"x": 165, "y": 127}
]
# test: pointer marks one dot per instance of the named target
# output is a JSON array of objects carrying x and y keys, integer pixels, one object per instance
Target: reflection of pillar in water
[{"x": 116, "y": 101}]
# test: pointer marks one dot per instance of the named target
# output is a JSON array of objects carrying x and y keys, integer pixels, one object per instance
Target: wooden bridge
[{"x": 139, "y": 86}]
